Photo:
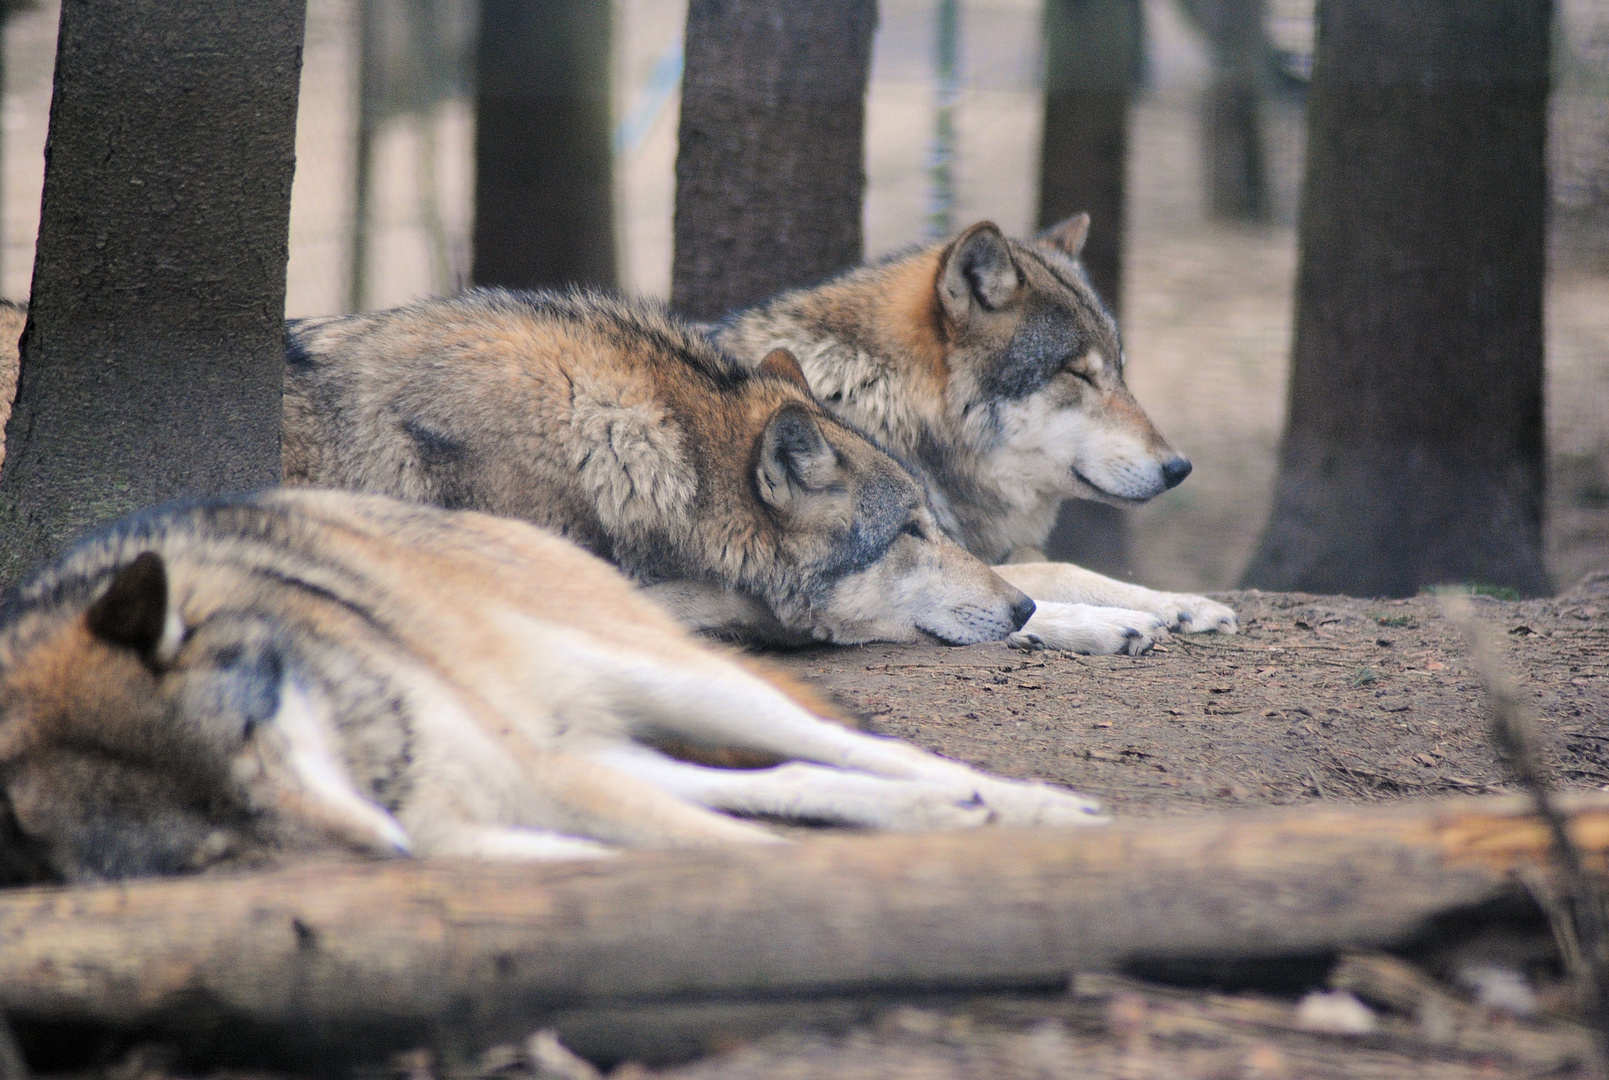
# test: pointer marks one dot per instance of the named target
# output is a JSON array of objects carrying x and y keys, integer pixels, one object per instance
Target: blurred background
[{"x": 953, "y": 131}]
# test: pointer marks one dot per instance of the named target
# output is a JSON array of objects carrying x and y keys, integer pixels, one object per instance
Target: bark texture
[
  {"x": 1413, "y": 449},
  {"x": 348, "y": 960},
  {"x": 1092, "y": 52},
  {"x": 544, "y": 196},
  {"x": 151, "y": 367},
  {"x": 769, "y": 170}
]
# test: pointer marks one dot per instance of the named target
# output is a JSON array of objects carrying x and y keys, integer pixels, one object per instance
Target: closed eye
[{"x": 914, "y": 528}]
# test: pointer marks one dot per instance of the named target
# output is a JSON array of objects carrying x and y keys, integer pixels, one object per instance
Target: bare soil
[{"x": 1318, "y": 697}]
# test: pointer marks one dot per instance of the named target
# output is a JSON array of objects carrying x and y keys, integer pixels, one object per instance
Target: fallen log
[{"x": 346, "y": 960}]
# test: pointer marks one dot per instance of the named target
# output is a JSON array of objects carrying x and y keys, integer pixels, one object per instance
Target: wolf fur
[
  {"x": 216, "y": 682},
  {"x": 731, "y": 493},
  {"x": 991, "y": 368}
]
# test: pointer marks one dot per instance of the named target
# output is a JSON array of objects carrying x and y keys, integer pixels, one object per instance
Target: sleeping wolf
[
  {"x": 745, "y": 506},
  {"x": 214, "y": 682},
  {"x": 991, "y": 368}
]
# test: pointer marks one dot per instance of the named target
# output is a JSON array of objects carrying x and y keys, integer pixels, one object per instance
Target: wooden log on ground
[{"x": 349, "y": 960}]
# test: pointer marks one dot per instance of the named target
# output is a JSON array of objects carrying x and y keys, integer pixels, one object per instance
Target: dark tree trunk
[
  {"x": 544, "y": 197},
  {"x": 368, "y": 123},
  {"x": 1413, "y": 452},
  {"x": 769, "y": 173},
  {"x": 1092, "y": 48},
  {"x": 151, "y": 366},
  {"x": 1231, "y": 121}
]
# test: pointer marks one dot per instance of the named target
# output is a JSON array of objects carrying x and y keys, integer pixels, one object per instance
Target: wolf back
[
  {"x": 214, "y": 683},
  {"x": 731, "y": 492}
]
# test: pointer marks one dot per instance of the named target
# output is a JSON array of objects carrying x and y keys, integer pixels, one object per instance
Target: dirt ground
[{"x": 1318, "y": 697}]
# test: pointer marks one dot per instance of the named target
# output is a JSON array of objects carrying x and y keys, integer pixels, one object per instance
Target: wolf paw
[
  {"x": 1030, "y": 802},
  {"x": 1091, "y": 630},
  {"x": 1186, "y": 614}
]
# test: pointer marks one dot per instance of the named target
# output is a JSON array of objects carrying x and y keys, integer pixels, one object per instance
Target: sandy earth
[{"x": 1316, "y": 698}]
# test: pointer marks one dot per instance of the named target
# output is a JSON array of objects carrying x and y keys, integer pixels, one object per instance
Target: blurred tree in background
[
  {"x": 411, "y": 59},
  {"x": 544, "y": 192},
  {"x": 769, "y": 170},
  {"x": 152, "y": 366},
  {"x": 1413, "y": 449},
  {"x": 1235, "y": 162}
]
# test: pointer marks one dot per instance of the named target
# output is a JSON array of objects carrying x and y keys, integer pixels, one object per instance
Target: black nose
[
  {"x": 1021, "y": 612},
  {"x": 1174, "y": 472}
]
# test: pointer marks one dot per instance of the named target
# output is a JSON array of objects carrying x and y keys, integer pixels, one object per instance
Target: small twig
[{"x": 1514, "y": 734}]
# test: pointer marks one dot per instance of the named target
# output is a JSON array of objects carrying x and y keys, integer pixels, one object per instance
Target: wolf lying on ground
[
  {"x": 212, "y": 682},
  {"x": 732, "y": 494},
  {"x": 991, "y": 368}
]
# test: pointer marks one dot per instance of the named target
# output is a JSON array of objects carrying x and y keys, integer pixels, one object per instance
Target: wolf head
[
  {"x": 132, "y": 743},
  {"x": 988, "y": 364},
  {"x": 1037, "y": 361},
  {"x": 859, "y": 554}
]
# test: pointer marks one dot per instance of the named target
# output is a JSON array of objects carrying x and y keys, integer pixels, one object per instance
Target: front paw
[
  {"x": 1090, "y": 630},
  {"x": 1032, "y": 802},
  {"x": 1186, "y": 614}
]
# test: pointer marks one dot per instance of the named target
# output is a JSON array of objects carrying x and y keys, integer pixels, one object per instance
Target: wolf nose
[
  {"x": 1174, "y": 471},
  {"x": 1021, "y": 612}
]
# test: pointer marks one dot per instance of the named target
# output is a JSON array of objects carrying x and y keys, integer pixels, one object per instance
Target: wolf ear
[
  {"x": 794, "y": 457},
  {"x": 1067, "y": 236},
  {"x": 978, "y": 272},
  {"x": 783, "y": 364},
  {"x": 136, "y": 613}
]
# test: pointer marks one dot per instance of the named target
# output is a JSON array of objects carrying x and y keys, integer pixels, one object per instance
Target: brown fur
[
  {"x": 992, "y": 369},
  {"x": 956, "y": 357},
  {"x": 219, "y": 682},
  {"x": 630, "y": 434}
]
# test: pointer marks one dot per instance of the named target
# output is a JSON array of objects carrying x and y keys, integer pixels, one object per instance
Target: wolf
[
  {"x": 728, "y": 492},
  {"x": 218, "y": 682},
  {"x": 991, "y": 368}
]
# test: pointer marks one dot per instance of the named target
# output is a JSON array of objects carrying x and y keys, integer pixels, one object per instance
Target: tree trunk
[
  {"x": 152, "y": 366},
  {"x": 349, "y": 960},
  {"x": 1092, "y": 52},
  {"x": 544, "y": 195},
  {"x": 769, "y": 172},
  {"x": 1413, "y": 448},
  {"x": 1231, "y": 112}
]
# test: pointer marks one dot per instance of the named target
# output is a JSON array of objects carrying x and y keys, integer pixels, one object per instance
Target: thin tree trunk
[
  {"x": 769, "y": 171},
  {"x": 1092, "y": 51},
  {"x": 1413, "y": 448},
  {"x": 368, "y": 123},
  {"x": 151, "y": 366},
  {"x": 1231, "y": 118},
  {"x": 349, "y": 960},
  {"x": 544, "y": 197}
]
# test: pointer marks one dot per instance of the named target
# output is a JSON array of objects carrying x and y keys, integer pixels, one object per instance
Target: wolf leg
[
  {"x": 1088, "y": 629},
  {"x": 475, "y": 841},
  {"x": 806, "y": 792},
  {"x": 949, "y": 798},
  {"x": 707, "y": 700},
  {"x": 1064, "y": 583}
]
